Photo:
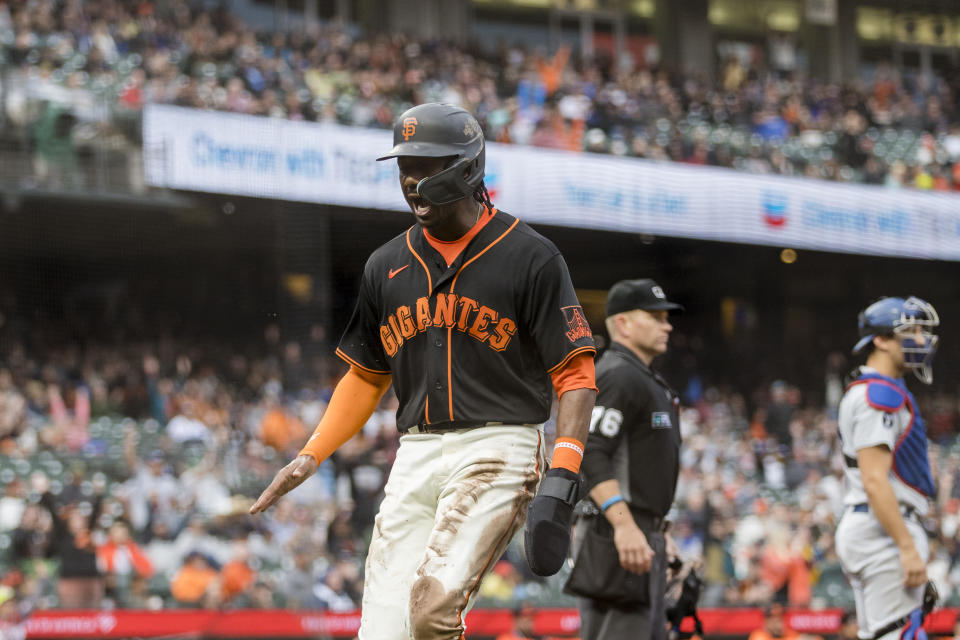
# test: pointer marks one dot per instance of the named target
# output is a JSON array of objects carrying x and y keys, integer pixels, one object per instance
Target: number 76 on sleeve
[{"x": 606, "y": 421}]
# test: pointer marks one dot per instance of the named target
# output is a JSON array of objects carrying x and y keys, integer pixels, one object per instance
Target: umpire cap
[
  {"x": 435, "y": 130},
  {"x": 644, "y": 293}
]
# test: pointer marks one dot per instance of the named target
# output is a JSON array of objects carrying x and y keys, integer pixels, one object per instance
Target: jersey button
[
  {"x": 438, "y": 342},
  {"x": 438, "y": 385}
]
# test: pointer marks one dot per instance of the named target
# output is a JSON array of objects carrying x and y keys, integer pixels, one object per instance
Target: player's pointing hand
[{"x": 287, "y": 479}]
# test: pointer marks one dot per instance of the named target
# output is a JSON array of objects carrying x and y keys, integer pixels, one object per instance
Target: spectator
[
  {"x": 13, "y": 615},
  {"x": 262, "y": 597},
  {"x": 80, "y": 584},
  {"x": 31, "y": 539},
  {"x": 236, "y": 577},
  {"x": 151, "y": 493},
  {"x": 332, "y": 594},
  {"x": 774, "y": 625},
  {"x": 298, "y": 583},
  {"x": 122, "y": 561},
  {"x": 13, "y": 410},
  {"x": 55, "y": 161},
  {"x": 69, "y": 428},
  {"x": 187, "y": 426},
  {"x": 205, "y": 488},
  {"x": 197, "y": 537},
  {"x": 197, "y": 582},
  {"x": 522, "y": 629},
  {"x": 779, "y": 415},
  {"x": 501, "y": 583},
  {"x": 12, "y": 505},
  {"x": 279, "y": 428}
]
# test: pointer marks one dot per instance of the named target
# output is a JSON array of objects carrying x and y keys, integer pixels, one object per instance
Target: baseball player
[
  {"x": 472, "y": 316},
  {"x": 880, "y": 539}
]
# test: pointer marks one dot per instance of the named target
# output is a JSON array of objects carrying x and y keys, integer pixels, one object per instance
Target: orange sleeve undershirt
[
  {"x": 353, "y": 402},
  {"x": 579, "y": 373},
  {"x": 450, "y": 250}
]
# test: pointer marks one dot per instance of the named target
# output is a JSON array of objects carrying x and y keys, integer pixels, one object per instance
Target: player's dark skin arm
[
  {"x": 573, "y": 413},
  {"x": 874, "y": 464}
]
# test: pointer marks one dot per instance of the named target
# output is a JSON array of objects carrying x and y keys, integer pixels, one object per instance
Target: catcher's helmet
[
  {"x": 436, "y": 130},
  {"x": 891, "y": 316}
]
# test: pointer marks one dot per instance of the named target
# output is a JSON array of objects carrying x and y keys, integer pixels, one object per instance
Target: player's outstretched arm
[
  {"x": 874, "y": 464},
  {"x": 287, "y": 479},
  {"x": 351, "y": 405}
]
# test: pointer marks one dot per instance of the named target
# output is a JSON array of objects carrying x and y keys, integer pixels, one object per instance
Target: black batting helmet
[{"x": 436, "y": 130}]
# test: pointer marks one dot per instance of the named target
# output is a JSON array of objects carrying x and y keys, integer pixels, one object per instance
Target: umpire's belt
[
  {"x": 649, "y": 522},
  {"x": 905, "y": 509},
  {"x": 454, "y": 425}
]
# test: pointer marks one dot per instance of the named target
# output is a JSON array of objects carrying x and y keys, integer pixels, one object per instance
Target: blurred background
[{"x": 175, "y": 273}]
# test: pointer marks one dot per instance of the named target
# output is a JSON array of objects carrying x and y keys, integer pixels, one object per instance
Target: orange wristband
[{"x": 567, "y": 454}]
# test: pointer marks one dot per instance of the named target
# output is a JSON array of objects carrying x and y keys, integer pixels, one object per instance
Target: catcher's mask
[
  {"x": 436, "y": 130},
  {"x": 901, "y": 317}
]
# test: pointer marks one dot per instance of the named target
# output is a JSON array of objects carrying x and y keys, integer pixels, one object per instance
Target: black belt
[
  {"x": 648, "y": 521},
  {"x": 454, "y": 425},
  {"x": 893, "y": 626},
  {"x": 905, "y": 509}
]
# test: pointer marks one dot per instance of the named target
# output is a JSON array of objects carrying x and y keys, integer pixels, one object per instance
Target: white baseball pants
[
  {"x": 452, "y": 504},
  {"x": 871, "y": 560}
]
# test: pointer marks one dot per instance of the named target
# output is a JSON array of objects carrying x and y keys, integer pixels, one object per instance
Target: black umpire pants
[{"x": 604, "y": 621}]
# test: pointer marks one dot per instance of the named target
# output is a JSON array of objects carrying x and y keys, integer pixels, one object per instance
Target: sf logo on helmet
[{"x": 409, "y": 128}]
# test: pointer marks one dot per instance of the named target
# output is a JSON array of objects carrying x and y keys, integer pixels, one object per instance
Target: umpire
[{"x": 630, "y": 468}]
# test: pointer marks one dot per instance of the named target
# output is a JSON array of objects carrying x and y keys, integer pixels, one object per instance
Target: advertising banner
[
  {"x": 332, "y": 164},
  {"x": 280, "y": 623}
]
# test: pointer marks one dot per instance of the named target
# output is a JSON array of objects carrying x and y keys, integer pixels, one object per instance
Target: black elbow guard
[{"x": 547, "y": 535}]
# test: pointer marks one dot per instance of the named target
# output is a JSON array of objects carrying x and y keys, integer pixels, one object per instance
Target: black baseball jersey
[
  {"x": 634, "y": 432},
  {"x": 473, "y": 342}
]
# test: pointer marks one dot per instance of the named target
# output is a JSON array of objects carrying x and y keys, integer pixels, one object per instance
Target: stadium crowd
[
  {"x": 105, "y": 59},
  {"x": 127, "y": 472},
  {"x": 127, "y": 467}
]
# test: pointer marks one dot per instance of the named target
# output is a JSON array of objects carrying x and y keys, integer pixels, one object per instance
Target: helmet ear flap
[{"x": 447, "y": 186}]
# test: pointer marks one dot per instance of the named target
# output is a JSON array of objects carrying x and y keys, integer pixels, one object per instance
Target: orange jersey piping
[
  {"x": 426, "y": 408},
  {"x": 576, "y": 351},
  {"x": 356, "y": 364},
  {"x": 422, "y": 263}
]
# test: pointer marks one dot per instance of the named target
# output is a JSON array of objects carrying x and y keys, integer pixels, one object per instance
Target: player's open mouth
[{"x": 420, "y": 206}]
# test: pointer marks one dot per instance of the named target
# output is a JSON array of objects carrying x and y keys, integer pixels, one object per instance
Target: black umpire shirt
[{"x": 634, "y": 433}]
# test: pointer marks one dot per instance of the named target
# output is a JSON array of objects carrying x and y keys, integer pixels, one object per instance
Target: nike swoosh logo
[{"x": 394, "y": 272}]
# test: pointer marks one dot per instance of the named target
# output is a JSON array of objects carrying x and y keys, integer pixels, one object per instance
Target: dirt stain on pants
[{"x": 436, "y": 612}]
